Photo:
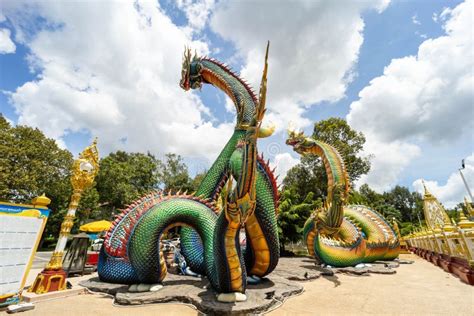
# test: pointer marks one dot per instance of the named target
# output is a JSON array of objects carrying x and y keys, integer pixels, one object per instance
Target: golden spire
[
  {"x": 463, "y": 221},
  {"x": 427, "y": 193},
  {"x": 435, "y": 213},
  {"x": 262, "y": 97}
]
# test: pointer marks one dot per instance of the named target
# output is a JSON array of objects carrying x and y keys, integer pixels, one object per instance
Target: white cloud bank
[
  {"x": 423, "y": 98},
  {"x": 6, "y": 44},
  {"x": 197, "y": 12},
  {"x": 284, "y": 162},
  {"x": 314, "y": 47},
  {"x": 454, "y": 190},
  {"x": 112, "y": 68}
]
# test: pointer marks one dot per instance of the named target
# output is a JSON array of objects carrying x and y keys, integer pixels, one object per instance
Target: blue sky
[{"x": 67, "y": 72}]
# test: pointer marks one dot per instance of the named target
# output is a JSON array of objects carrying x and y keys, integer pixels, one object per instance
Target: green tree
[
  {"x": 89, "y": 207},
  {"x": 197, "y": 181},
  {"x": 371, "y": 197},
  {"x": 405, "y": 206},
  {"x": 407, "y": 228},
  {"x": 389, "y": 212},
  {"x": 291, "y": 217},
  {"x": 356, "y": 198},
  {"x": 305, "y": 178},
  {"x": 173, "y": 174},
  {"x": 32, "y": 164},
  {"x": 408, "y": 203},
  {"x": 124, "y": 177}
]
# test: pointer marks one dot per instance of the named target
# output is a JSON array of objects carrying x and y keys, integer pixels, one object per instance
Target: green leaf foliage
[
  {"x": 292, "y": 216},
  {"x": 124, "y": 177},
  {"x": 32, "y": 164},
  {"x": 173, "y": 174}
]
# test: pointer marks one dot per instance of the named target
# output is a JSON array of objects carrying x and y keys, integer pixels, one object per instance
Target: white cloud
[
  {"x": 422, "y": 35},
  {"x": 283, "y": 163},
  {"x": 446, "y": 13},
  {"x": 314, "y": 47},
  {"x": 6, "y": 44},
  {"x": 112, "y": 68},
  {"x": 197, "y": 12},
  {"x": 423, "y": 98},
  {"x": 454, "y": 190},
  {"x": 414, "y": 19},
  {"x": 388, "y": 161}
]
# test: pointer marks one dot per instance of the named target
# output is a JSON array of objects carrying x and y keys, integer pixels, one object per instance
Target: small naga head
[
  {"x": 297, "y": 140},
  {"x": 191, "y": 71}
]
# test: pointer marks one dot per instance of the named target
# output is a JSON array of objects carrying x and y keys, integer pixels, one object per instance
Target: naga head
[
  {"x": 191, "y": 72},
  {"x": 297, "y": 140}
]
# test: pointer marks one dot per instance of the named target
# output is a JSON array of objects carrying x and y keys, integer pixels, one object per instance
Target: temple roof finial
[
  {"x": 424, "y": 187},
  {"x": 427, "y": 194}
]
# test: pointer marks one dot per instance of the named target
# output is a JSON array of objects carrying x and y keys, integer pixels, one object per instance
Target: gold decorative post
[
  {"x": 84, "y": 170},
  {"x": 444, "y": 242}
]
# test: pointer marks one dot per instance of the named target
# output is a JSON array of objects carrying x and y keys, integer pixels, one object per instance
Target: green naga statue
[
  {"x": 209, "y": 236},
  {"x": 338, "y": 234}
]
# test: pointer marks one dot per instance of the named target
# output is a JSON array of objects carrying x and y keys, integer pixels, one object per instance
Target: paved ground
[{"x": 416, "y": 289}]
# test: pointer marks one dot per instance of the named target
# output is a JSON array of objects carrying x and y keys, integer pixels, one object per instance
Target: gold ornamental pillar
[
  {"x": 466, "y": 232},
  {"x": 84, "y": 170}
]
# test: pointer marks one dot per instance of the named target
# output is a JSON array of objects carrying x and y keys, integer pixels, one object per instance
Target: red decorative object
[
  {"x": 49, "y": 281},
  {"x": 92, "y": 258}
]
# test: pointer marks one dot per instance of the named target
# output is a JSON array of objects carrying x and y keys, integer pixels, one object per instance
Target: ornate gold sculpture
[
  {"x": 434, "y": 211},
  {"x": 84, "y": 170},
  {"x": 443, "y": 236}
]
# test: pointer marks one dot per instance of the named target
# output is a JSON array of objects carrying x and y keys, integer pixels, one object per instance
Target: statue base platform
[
  {"x": 286, "y": 281},
  {"x": 49, "y": 281},
  {"x": 267, "y": 295}
]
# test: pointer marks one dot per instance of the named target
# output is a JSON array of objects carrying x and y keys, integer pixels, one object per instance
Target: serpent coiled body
[
  {"x": 339, "y": 234},
  {"x": 209, "y": 237}
]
